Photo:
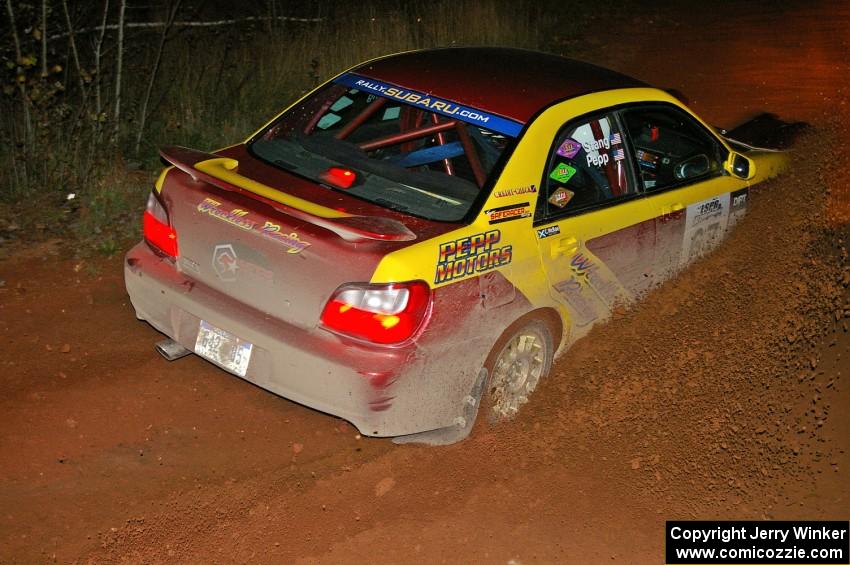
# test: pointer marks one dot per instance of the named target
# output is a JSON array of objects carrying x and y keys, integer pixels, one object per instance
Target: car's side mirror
[{"x": 740, "y": 166}]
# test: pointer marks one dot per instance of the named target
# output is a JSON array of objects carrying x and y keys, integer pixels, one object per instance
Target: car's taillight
[
  {"x": 157, "y": 229},
  {"x": 379, "y": 313}
]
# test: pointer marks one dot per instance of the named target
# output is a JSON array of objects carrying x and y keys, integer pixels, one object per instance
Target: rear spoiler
[{"x": 223, "y": 173}]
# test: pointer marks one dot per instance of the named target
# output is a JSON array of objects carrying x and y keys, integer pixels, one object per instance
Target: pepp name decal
[
  {"x": 238, "y": 218},
  {"x": 471, "y": 255}
]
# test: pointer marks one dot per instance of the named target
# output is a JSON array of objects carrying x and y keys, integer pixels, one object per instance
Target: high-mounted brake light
[
  {"x": 380, "y": 313},
  {"x": 157, "y": 229},
  {"x": 339, "y": 177}
]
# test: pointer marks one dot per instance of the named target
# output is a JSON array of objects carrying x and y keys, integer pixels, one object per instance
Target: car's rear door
[{"x": 596, "y": 232}]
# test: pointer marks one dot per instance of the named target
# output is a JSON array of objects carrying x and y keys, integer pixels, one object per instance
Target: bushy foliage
[{"x": 209, "y": 86}]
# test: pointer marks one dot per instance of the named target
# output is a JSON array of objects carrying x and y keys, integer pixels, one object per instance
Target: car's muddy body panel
[{"x": 256, "y": 263}]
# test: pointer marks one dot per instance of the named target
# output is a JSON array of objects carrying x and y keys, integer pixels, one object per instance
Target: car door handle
[
  {"x": 672, "y": 208},
  {"x": 565, "y": 246}
]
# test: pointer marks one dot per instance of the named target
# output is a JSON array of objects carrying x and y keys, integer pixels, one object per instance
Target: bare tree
[
  {"x": 74, "y": 53},
  {"x": 119, "y": 56},
  {"x": 43, "y": 38},
  {"x": 154, "y": 25},
  {"x": 28, "y": 135},
  {"x": 98, "y": 52},
  {"x": 162, "y": 38}
]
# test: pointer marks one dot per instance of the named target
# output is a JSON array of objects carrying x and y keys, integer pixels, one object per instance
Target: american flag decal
[
  {"x": 619, "y": 155},
  {"x": 615, "y": 139}
]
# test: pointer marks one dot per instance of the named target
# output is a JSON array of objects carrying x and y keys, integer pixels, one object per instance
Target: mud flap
[{"x": 463, "y": 423}]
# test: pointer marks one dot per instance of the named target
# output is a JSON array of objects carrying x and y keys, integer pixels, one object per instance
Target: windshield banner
[{"x": 473, "y": 116}]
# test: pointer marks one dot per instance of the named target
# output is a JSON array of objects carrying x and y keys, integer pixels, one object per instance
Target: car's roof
[{"x": 515, "y": 83}]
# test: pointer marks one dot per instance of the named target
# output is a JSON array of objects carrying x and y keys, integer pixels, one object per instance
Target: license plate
[{"x": 223, "y": 348}]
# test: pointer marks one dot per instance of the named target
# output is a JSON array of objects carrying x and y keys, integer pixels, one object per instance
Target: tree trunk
[
  {"x": 98, "y": 51},
  {"x": 43, "y": 38},
  {"x": 118, "y": 64},
  {"x": 162, "y": 38},
  {"x": 28, "y": 133}
]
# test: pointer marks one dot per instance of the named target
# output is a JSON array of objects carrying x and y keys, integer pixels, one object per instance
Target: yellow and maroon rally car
[{"x": 422, "y": 233}]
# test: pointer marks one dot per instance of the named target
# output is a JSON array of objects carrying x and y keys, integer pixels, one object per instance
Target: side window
[
  {"x": 586, "y": 167},
  {"x": 671, "y": 148}
]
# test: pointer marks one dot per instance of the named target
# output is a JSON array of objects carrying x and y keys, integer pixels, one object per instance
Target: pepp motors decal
[
  {"x": 507, "y": 213},
  {"x": 473, "y": 255},
  {"x": 238, "y": 217}
]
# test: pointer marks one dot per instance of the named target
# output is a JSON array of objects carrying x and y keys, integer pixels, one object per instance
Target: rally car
[{"x": 422, "y": 233}]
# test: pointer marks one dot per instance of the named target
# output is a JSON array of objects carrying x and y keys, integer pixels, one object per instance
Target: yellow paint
[
  {"x": 531, "y": 257},
  {"x": 161, "y": 179}
]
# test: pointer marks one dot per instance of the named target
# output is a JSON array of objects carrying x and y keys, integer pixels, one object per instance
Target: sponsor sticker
[
  {"x": 739, "y": 200},
  {"x": 543, "y": 233},
  {"x": 562, "y": 173},
  {"x": 503, "y": 193},
  {"x": 473, "y": 255},
  {"x": 647, "y": 159},
  {"x": 442, "y": 106},
  {"x": 228, "y": 265},
  {"x": 507, "y": 213},
  {"x": 239, "y": 218},
  {"x": 561, "y": 197},
  {"x": 569, "y": 148},
  {"x": 224, "y": 262},
  {"x": 291, "y": 241}
]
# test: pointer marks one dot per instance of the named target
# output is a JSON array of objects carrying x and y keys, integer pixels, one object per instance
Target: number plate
[{"x": 223, "y": 348}]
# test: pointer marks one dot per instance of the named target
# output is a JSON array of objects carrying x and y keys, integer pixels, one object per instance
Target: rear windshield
[{"x": 404, "y": 150}]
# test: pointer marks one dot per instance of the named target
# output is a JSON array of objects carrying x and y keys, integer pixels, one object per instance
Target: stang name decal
[
  {"x": 238, "y": 218},
  {"x": 471, "y": 255},
  {"x": 507, "y": 213},
  {"x": 439, "y": 105}
]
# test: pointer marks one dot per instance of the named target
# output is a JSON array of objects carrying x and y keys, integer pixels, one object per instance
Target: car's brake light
[
  {"x": 157, "y": 229},
  {"x": 339, "y": 177},
  {"x": 379, "y": 313}
]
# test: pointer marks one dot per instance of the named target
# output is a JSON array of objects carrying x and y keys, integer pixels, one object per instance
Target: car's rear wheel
[{"x": 520, "y": 358}]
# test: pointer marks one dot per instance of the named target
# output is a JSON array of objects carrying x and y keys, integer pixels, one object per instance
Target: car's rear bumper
[{"x": 371, "y": 387}]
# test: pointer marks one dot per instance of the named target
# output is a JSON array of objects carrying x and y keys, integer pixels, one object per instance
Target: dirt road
[{"x": 724, "y": 395}]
